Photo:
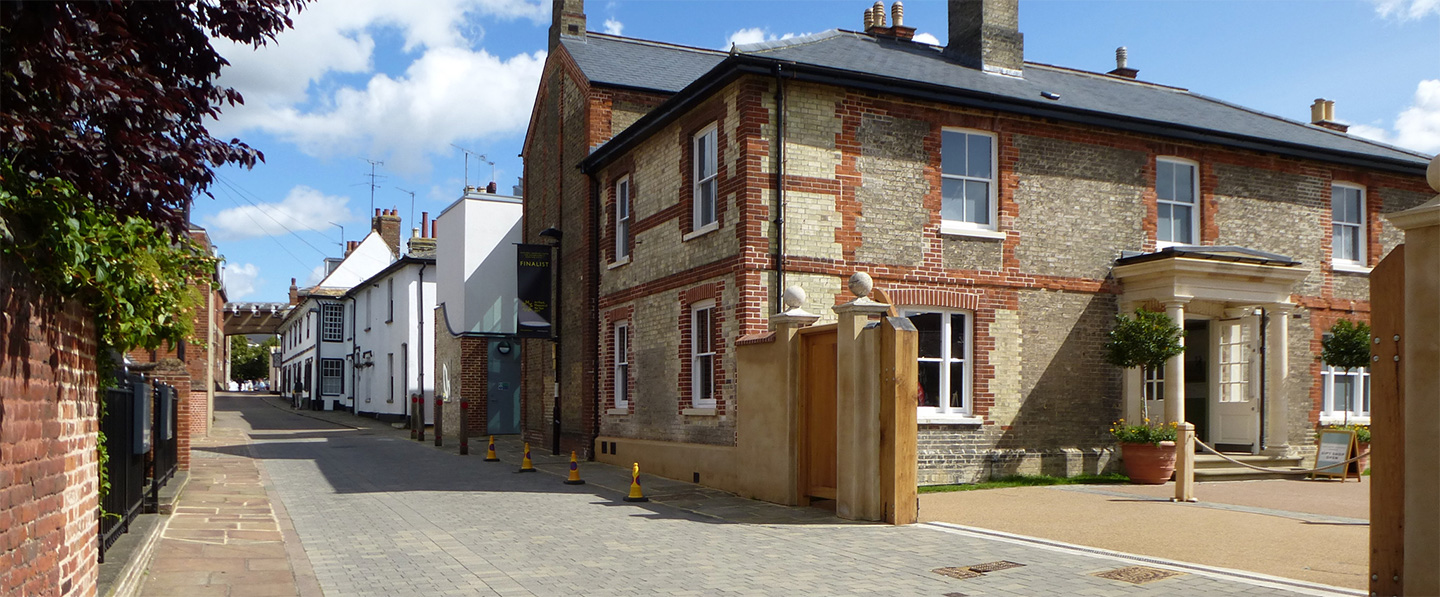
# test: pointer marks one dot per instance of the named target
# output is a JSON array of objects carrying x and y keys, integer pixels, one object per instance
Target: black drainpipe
[
  {"x": 420, "y": 351},
  {"x": 779, "y": 189}
]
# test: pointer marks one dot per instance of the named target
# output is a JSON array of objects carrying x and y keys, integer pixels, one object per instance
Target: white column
[
  {"x": 1277, "y": 377},
  {"x": 1132, "y": 384},
  {"x": 1175, "y": 369}
]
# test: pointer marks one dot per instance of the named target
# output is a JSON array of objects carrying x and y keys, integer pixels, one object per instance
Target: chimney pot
[
  {"x": 869, "y": 19},
  {"x": 377, "y": 212},
  {"x": 1122, "y": 64},
  {"x": 435, "y": 228},
  {"x": 424, "y": 222},
  {"x": 897, "y": 14},
  {"x": 1322, "y": 113},
  {"x": 490, "y": 188},
  {"x": 878, "y": 12}
]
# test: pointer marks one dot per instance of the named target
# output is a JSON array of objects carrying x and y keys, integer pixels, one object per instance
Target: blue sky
[{"x": 403, "y": 83}]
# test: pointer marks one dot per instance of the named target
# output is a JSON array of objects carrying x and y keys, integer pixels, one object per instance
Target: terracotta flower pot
[
  {"x": 1148, "y": 464},
  {"x": 1364, "y": 460}
]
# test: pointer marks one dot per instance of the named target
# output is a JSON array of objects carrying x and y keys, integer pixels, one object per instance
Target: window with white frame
[
  {"x": 622, "y": 219},
  {"x": 1154, "y": 383},
  {"x": 1177, "y": 202},
  {"x": 702, "y": 353},
  {"x": 1347, "y": 214},
  {"x": 1347, "y": 394},
  {"x": 390, "y": 291},
  {"x": 944, "y": 361},
  {"x": 332, "y": 322},
  {"x": 967, "y": 177},
  {"x": 332, "y": 381},
  {"x": 622, "y": 365},
  {"x": 703, "y": 146}
]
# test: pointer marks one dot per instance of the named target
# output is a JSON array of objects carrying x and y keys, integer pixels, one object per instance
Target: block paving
[{"x": 379, "y": 514}]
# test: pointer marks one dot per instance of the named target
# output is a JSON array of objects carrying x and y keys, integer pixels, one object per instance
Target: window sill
[
  {"x": 618, "y": 411},
  {"x": 1350, "y": 268},
  {"x": 949, "y": 420},
  {"x": 619, "y": 263},
  {"x": 1340, "y": 420},
  {"x": 699, "y": 412},
  {"x": 949, "y": 229},
  {"x": 701, "y": 231}
]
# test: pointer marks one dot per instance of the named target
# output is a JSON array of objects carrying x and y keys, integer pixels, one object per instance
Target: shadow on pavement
[{"x": 376, "y": 458}]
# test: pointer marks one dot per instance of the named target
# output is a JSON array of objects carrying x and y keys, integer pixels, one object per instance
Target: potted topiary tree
[
  {"x": 1347, "y": 347},
  {"x": 1146, "y": 340}
]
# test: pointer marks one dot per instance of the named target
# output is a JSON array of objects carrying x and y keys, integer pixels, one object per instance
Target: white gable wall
[{"x": 475, "y": 256}]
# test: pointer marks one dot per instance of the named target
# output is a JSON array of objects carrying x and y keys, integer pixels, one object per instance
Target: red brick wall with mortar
[
  {"x": 48, "y": 426},
  {"x": 474, "y": 380},
  {"x": 186, "y": 411}
]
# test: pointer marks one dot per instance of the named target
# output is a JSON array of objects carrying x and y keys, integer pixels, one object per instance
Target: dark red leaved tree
[{"x": 112, "y": 96}]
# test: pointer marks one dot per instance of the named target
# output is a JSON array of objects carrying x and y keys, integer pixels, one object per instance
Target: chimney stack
[
  {"x": 875, "y": 22},
  {"x": 294, "y": 293},
  {"x": 985, "y": 34},
  {"x": 567, "y": 18},
  {"x": 1322, "y": 113},
  {"x": 387, "y": 223},
  {"x": 420, "y": 246},
  {"x": 1122, "y": 64}
]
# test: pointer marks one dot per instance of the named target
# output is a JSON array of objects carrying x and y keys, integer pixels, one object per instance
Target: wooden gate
[
  {"x": 817, "y": 413},
  {"x": 1387, "y": 425}
]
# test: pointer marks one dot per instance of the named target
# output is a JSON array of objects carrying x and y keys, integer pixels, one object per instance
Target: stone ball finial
[
  {"x": 861, "y": 284},
  {"x": 794, "y": 298},
  {"x": 1432, "y": 174}
]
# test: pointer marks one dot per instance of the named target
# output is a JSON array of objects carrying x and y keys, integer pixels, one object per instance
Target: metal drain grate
[
  {"x": 1137, "y": 575},
  {"x": 960, "y": 573},
  {"x": 994, "y": 566}
]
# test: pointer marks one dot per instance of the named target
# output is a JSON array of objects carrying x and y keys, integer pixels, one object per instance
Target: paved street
[{"x": 378, "y": 514}]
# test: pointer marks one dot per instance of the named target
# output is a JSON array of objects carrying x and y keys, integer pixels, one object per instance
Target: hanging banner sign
[{"x": 532, "y": 287}]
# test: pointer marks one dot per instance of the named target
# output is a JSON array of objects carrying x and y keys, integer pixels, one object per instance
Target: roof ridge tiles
[{"x": 648, "y": 42}]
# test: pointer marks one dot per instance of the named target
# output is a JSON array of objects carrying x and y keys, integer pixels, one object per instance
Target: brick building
[
  {"x": 1011, "y": 209},
  {"x": 196, "y": 369}
]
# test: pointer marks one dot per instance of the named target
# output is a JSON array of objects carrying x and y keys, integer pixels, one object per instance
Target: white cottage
[{"x": 393, "y": 343}]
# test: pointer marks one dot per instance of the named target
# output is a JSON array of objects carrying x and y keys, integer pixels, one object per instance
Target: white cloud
[
  {"x": 450, "y": 90},
  {"x": 1407, "y": 9},
  {"x": 926, "y": 38},
  {"x": 240, "y": 280},
  {"x": 1417, "y": 127},
  {"x": 614, "y": 27},
  {"x": 755, "y": 35},
  {"x": 303, "y": 209},
  {"x": 316, "y": 276}
]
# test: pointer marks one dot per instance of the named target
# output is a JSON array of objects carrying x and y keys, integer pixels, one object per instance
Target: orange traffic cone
[
  {"x": 490, "y": 455},
  {"x": 525, "y": 465},
  {"x": 635, "y": 494},
  {"x": 574, "y": 472}
]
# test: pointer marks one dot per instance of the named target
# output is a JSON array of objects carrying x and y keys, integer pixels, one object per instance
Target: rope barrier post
[{"x": 1185, "y": 463}]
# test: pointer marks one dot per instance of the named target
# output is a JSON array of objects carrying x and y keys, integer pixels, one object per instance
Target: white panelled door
[{"x": 1234, "y": 419}]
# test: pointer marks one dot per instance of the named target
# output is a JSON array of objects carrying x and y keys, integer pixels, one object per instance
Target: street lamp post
[{"x": 553, "y": 236}]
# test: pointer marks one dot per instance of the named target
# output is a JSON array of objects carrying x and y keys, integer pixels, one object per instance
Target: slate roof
[
  {"x": 1083, "y": 96},
  {"x": 626, "y": 62}
]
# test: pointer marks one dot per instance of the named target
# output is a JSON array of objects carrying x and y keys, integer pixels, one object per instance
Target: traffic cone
[
  {"x": 525, "y": 465},
  {"x": 574, "y": 472},
  {"x": 635, "y": 494},
  {"x": 490, "y": 454}
]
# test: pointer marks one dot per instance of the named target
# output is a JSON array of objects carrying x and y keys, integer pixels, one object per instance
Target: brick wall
[
  {"x": 48, "y": 426},
  {"x": 190, "y": 412}
]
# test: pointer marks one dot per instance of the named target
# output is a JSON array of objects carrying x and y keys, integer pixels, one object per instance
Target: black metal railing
[{"x": 142, "y": 440}]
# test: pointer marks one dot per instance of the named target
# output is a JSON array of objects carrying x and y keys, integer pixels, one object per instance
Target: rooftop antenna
[
  {"x": 374, "y": 180},
  {"x": 468, "y": 153},
  {"x": 492, "y": 166},
  {"x": 342, "y": 237},
  {"x": 412, "y": 203}
]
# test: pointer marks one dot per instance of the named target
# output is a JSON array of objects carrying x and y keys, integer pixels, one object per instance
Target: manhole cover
[
  {"x": 993, "y": 566},
  {"x": 1138, "y": 575},
  {"x": 960, "y": 573}
]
